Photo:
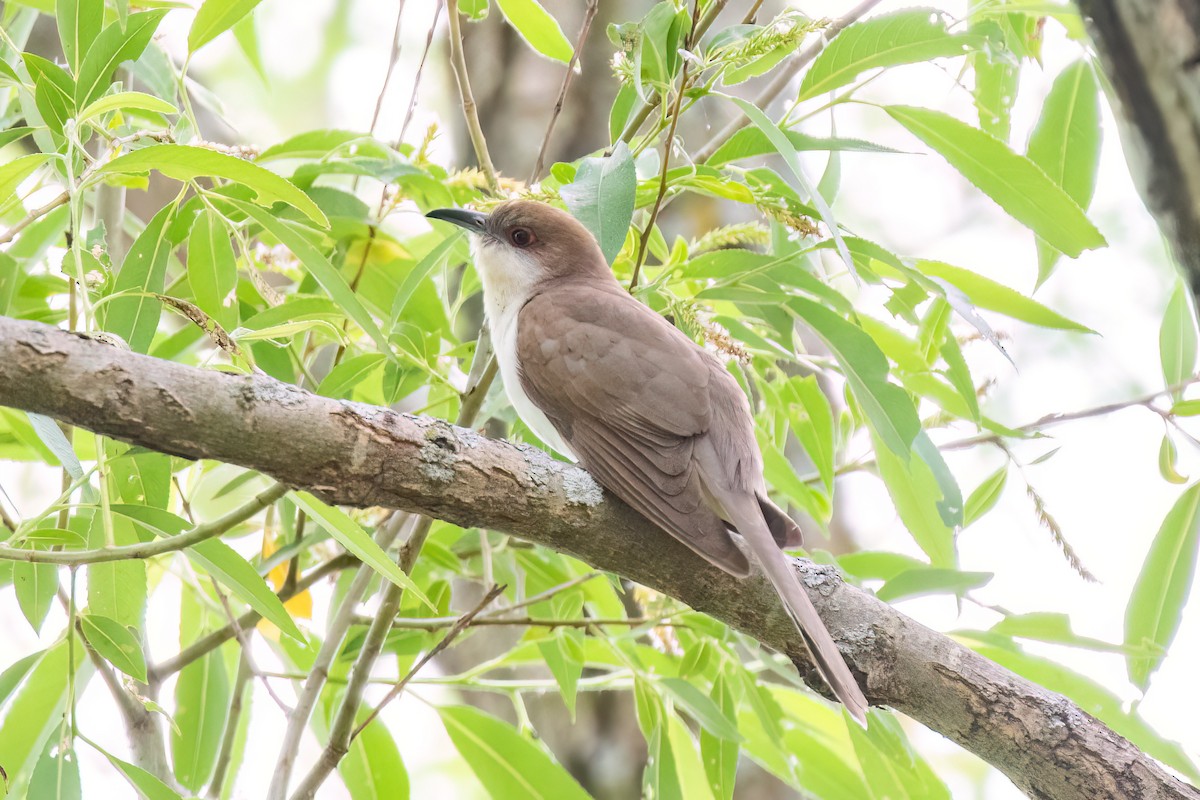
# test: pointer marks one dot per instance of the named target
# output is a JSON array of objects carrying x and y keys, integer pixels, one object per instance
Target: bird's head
[{"x": 522, "y": 243}]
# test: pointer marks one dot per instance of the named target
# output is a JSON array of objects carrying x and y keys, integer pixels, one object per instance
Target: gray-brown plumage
[{"x": 653, "y": 417}]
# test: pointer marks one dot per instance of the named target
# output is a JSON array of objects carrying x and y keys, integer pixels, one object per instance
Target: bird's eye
[{"x": 521, "y": 237}]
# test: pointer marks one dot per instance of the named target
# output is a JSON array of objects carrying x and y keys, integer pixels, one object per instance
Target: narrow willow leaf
[
  {"x": 752, "y": 142},
  {"x": 212, "y": 269},
  {"x": 931, "y": 580},
  {"x": 373, "y": 769},
  {"x": 185, "y": 163},
  {"x": 56, "y": 776},
  {"x": 689, "y": 775},
  {"x": 817, "y": 435},
  {"x": 246, "y": 34},
  {"x": 327, "y": 275},
  {"x": 720, "y": 755},
  {"x": 602, "y": 198},
  {"x": 1018, "y": 185},
  {"x": 115, "y": 44},
  {"x": 143, "y": 274},
  {"x": 202, "y": 697},
  {"x": 219, "y": 560},
  {"x": 116, "y": 643},
  {"x": 56, "y": 441},
  {"x": 54, "y": 92},
  {"x": 351, "y": 536},
  {"x": 992, "y": 296},
  {"x": 214, "y": 18},
  {"x": 14, "y": 172},
  {"x": 35, "y": 585},
  {"x": 997, "y": 79},
  {"x": 904, "y": 37},
  {"x": 1066, "y": 142},
  {"x": 1046, "y": 626},
  {"x": 784, "y": 147},
  {"x": 540, "y": 30},
  {"x": 985, "y": 496},
  {"x": 1161, "y": 591},
  {"x": 123, "y": 100},
  {"x": 889, "y": 410},
  {"x": 146, "y": 784},
  {"x": 1177, "y": 338},
  {"x": 564, "y": 656},
  {"x": 1167, "y": 458},
  {"x": 79, "y": 23},
  {"x": 915, "y": 492},
  {"x": 700, "y": 707},
  {"x": 432, "y": 261},
  {"x": 35, "y": 709},
  {"x": 507, "y": 764}
]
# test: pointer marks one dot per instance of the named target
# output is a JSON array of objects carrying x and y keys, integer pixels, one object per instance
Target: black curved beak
[{"x": 474, "y": 221}]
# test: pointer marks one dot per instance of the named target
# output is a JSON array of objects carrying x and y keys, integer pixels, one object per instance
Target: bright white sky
[{"x": 1102, "y": 486}]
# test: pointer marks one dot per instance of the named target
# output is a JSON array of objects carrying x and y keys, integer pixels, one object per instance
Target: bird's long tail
[{"x": 752, "y": 525}]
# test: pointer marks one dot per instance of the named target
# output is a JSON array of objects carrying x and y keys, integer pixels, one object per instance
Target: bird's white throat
[{"x": 509, "y": 278}]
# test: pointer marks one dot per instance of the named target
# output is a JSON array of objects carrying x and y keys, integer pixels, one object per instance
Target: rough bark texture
[
  {"x": 1150, "y": 50},
  {"x": 354, "y": 454}
]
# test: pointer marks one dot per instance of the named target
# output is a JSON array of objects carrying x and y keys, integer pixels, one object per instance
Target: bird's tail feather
[{"x": 753, "y": 527}]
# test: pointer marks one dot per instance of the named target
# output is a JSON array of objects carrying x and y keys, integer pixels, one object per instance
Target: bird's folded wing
[{"x": 630, "y": 395}]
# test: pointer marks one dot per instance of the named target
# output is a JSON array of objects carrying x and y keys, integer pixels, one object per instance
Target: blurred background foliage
[{"x": 865, "y": 211}]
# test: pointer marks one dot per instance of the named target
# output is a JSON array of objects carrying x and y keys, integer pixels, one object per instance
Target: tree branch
[
  {"x": 353, "y": 454},
  {"x": 458, "y": 60}
]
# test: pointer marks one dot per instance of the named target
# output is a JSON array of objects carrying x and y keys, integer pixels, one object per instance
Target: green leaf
[
  {"x": 79, "y": 23},
  {"x": 992, "y": 296},
  {"x": 146, "y": 784},
  {"x": 186, "y": 163},
  {"x": 1018, "y": 185},
  {"x": 931, "y": 580},
  {"x": 15, "y": 172},
  {"x": 35, "y": 585},
  {"x": 123, "y": 100},
  {"x": 1163, "y": 585},
  {"x": 1167, "y": 458},
  {"x": 904, "y": 37},
  {"x": 1045, "y": 626},
  {"x": 889, "y": 410},
  {"x": 700, "y": 707},
  {"x": 135, "y": 317},
  {"x": 214, "y": 18},
  {"x": 689, "y": 779},
  {"x": 373, "y": 769},
  {"x": 602, "y": 198},
  {"x": 327, "y": 275},
  {"x": 202, "y": 696},
  {"x": 1177, "y": 338},
  {"x": 720, "y": 755},
  {"x": 537, "y": 27},
  {"x": 916, "y": 494},
  {"x": 432, "y": 261},
  {"x": 119, "y": 646},
  {"x": 219, "y": 560},
  {"x": 56, "y": 776},
  {"x": 1066, "y": 142},
  {"x": 507, "y": 764},
  {"x": 997, "y": 80},
  {"x": 351, "y": 536},
  {"x": 54, "y": 92},
  {"x": 985, "y": 495},
  {"x": 563, "y": 653},
  {"x": 36, "y": 708},
  {"x": 784, "y": 147},
  {"x": 212, "y": 269},
  {"x": 752, "y": 142},
  {"x": 115, "y": 44}
]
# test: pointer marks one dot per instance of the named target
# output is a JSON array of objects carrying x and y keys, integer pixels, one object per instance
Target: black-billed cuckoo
[{"x": 656, "y": 419}]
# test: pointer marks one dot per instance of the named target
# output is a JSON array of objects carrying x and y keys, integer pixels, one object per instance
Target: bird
[{"x": 655, "y": 418}]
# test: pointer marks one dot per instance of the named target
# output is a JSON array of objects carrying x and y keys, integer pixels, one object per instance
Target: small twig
[
  {"x": 437, "y": 623},
  {"x": 458, "y": 61},
  {"x": 782, "y": 78},
  {"x": 393, "y": 59},
  {"x": 244, "y": 641},
  {"x": 460, "y": 625},
  {"x": 553, "y": 591},
  {"x": 588, "y": 15},
  {"x": 237, "y": 704},
  {"x": 668, "y": 143},
  {"x": 34, "y": 216},
  {"x": 412, "y": 100},
  {"x": 142, "y": 550}
]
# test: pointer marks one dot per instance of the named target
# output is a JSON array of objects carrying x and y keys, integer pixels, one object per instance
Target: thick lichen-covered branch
[{"x": 354, "y": 454}]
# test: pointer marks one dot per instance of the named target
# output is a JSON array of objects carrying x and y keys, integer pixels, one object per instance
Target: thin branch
[
  {"x": 237, "y": 706},
  {"x": 458, "y": 61},
  {"x": 456, "y": 629},
  {"x": 438, "y": 623},
  {"x": 783, "y": 76},
  {"x": 393, "y": 59},
  {"x": 153, "y": 548},
  {"x": 34, "y": 216},
  {"x": 588, "y": 15},
  {"x": 412, "y": 100}
]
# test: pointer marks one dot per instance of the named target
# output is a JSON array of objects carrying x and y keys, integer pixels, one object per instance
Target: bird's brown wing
[{"x": 629, "y": 394}]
